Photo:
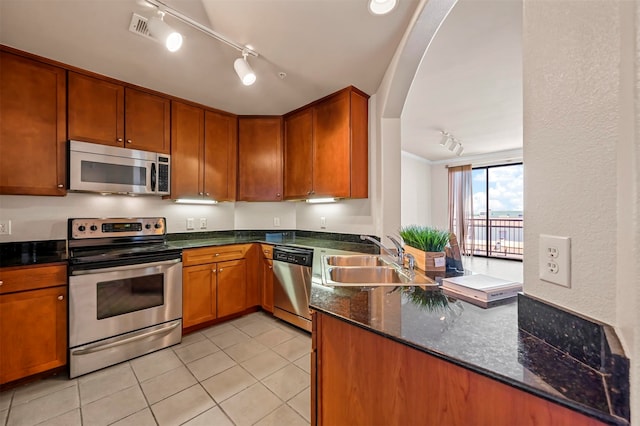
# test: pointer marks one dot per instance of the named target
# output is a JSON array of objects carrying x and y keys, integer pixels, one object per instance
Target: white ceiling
[{"x": 469, "y": 82}]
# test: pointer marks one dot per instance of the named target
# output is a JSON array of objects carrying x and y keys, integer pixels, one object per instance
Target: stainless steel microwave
[{"x": 107, "y": 169}]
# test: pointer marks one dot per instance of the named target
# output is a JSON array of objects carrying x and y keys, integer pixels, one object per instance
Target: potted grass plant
[{"x": 427, "y": 245}]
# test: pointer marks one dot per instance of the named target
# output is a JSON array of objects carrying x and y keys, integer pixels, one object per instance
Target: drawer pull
[
  {"x": 217, "y": 254},
  {"x": 1, "y": 282},
  {"x": 61, "y": 297}
]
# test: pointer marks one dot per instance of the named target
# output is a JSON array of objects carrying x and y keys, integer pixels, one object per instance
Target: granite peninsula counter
[{"x": 486, "y": 341}]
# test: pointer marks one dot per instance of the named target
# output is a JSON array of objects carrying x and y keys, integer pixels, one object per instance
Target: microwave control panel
[{"x": 163, "y": 174}]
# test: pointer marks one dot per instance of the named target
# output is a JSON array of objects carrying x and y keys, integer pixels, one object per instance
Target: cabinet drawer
[
  {"x": 21, "y": 278},
  {"x": 204, "y": 255},
  {"x": 267, "y": 251}
]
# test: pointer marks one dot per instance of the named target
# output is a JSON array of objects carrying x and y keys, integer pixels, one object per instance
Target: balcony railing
[{"x": 503, "y": 238}]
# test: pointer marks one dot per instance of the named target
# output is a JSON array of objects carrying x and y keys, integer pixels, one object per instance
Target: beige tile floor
[{"x": 251, "y": 370}]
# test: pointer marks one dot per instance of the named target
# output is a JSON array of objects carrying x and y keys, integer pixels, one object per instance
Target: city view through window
[{"x": 498, "y": 211}]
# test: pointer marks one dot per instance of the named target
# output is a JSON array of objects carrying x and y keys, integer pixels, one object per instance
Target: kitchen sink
[
  {"x": 365, "y": 275},
  {"x": 343, "y": 273},
  {"x": 355, "y": 260}
]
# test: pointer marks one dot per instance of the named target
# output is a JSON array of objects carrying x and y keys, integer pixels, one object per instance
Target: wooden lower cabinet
[
  {"x": 232, "y": 287},
  {"x": 353, "y": 384},
  {"x": 213, "y": 290},
  {"x": 267, "y": 285},
  {"x": 199, "y": 294},
  {"x": 267, "y": 277},
  {"x": 33, "y": 320}
]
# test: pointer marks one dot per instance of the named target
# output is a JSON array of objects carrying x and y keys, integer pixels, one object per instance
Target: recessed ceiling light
[{"x": 381, "y": 7}]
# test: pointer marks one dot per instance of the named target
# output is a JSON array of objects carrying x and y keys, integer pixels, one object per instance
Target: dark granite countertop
[
  {"x": 331, "y": 241},
  {"x": 26, "y": 253},
  {"x": 487, "y": 341}
]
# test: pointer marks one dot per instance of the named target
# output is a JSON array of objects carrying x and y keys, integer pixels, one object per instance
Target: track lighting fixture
[
  {"x": 243, "y": 69},
  {"x": 160, "y": 30},
  {"x": 446, "y": 138},
  {"x": 155, "y": 26},
  {"x": 451, "y": 143},
  {"x": 381, "y": 7}
]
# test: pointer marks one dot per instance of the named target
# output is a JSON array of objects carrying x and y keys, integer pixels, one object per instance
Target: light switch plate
[
  {"x": 190, "y": 224},
  {"x": 555, "y": 260},
  {"x": 203, "y": 223}
]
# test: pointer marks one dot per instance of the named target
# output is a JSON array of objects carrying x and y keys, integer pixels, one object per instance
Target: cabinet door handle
[
  {"x": 60, "y": 185},
  {"x": 199, "y": 193},
  {"x": 207, "y": 194},
  {"x": 61, "y": 297},
  {"x": 119, "y": 139},
  {"x": 278, "y": 195},
  {"x": 220, "y": 270},
  {"x": 270, "y": 267},
  {"x": 128, "y": 140},
  {"x": 213, "y": 270}
]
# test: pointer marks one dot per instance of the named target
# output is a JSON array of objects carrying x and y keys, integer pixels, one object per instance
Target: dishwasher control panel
[{"x": 294, "y": 255}]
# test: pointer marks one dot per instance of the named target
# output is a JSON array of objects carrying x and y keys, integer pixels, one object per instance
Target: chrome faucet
[
  {"x": 400, "y": 250},
  {"x": 379, "y": 244},
  {"x": 398, "y": 257}
]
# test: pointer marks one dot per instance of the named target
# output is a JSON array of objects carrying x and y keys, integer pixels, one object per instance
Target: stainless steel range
[{"x": 125, "y": 291}]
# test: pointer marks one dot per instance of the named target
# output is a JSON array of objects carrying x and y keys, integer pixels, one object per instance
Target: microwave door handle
[{"x": 153, "y": 177}]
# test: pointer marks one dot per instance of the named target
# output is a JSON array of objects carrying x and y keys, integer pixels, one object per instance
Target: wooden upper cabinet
[
  {"x": 187, "y": 139},
  {"x": 203, "y": 153},
  {"x": 32, "y": 127},
  {"x": 341, "y": 145},
  {"x": 107, "y": 113},
  {"x": 260, "y": 158},
  {"x": 326, "y": 148},
  {"x": 220, "y": 155},
  {"x": 147, "y": 121},
  {"x": 96, "y": 110},
  {"x": 298, "y": 155}
]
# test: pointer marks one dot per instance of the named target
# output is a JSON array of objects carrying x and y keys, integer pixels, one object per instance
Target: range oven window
[
  {"x": 122, "y": 296},
  {"x": 93, "y": 171}
]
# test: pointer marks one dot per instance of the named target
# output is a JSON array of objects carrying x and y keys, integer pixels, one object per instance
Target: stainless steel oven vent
[{"x": 138, "y": 26}]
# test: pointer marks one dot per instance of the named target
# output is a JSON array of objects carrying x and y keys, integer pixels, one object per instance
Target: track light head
[
  {"x": 381, "y": 7},
  {"x": 244, "y": 70},
  {"x": 163, "y": 32},
  {"x": 445, "y": 138}
]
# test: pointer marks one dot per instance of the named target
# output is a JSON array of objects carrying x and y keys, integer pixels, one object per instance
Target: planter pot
[{"x": 428, "y": 261}]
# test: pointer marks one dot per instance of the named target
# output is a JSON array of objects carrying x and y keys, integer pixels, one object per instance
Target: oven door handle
[
  {"x": 127, "y": 267},
  {"x": 97, "y": 347}
]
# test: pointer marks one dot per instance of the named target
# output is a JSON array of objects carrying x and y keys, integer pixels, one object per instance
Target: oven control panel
[{"x": 116, "y": 227}]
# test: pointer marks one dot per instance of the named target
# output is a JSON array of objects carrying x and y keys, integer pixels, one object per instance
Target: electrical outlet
[
  {"x": 323, "y": 222},
  {"x": 190, "y": 224},
  {"x": 555, "y": 260},
  {"x": 5, "y": 227},
  {"x": 203, "y": 223},
  {"x": 276, "y": 221}
]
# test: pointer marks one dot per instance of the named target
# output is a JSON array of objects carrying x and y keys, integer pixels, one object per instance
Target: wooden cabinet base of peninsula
[{"x": 361, "y": 378}]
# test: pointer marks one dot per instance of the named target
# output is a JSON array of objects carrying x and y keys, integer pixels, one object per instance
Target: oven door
[{"x": 107, "y": 302}]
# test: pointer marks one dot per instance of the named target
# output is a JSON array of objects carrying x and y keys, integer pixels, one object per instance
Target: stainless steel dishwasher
[{"x": 292, "y": 268}]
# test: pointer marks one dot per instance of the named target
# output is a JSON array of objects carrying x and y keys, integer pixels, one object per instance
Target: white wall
[
  {"x": 45, "y": 218},
  {"x": 415, "y": 185},
  {"x": 581, "y": 159}
]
